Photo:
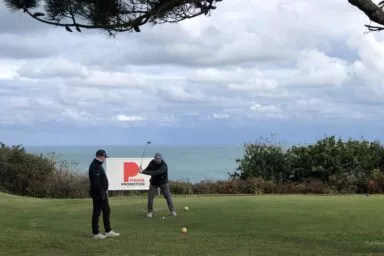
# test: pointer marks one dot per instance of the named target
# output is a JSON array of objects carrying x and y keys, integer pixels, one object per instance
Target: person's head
[
  {"x": 101, "y": 155},
  {"x": 158, "y": 158}
]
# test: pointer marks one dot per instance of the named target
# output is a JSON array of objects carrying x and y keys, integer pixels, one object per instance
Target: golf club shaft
[{"x": 142, "y": 156}]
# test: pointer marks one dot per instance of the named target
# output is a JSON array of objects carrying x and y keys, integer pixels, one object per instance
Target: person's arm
[
  {"x": 95, "y": 179},
  {"x": 148, "y": 169},
  {"x": 161, "y": 170}
]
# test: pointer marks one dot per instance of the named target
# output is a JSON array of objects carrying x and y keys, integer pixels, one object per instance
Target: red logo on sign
[{"x": 131, "y": 169}]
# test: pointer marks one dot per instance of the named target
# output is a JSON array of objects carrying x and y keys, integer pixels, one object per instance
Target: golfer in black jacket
[
  {"x": 98, "y": 191},
  {"x": 158, "y": 169}
]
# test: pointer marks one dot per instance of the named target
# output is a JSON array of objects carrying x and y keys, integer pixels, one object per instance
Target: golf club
[{"x": 145, "y": 148}]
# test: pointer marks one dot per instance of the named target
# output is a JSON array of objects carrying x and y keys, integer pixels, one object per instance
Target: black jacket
[
  {"x": 158, "y": 172},
  {"x": 98, "y": 180}
]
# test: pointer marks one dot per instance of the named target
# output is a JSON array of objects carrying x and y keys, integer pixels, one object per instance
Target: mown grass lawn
[{"x": 229, "y": 225}]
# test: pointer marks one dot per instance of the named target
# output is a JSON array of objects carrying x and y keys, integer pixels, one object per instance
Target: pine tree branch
[
  {"x": 112, "y": 15},
  {"x": 121, "y": 27},
  {"x": 373, "y": 11}
]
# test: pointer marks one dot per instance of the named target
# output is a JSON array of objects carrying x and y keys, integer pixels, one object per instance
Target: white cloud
[
  {"x": 179, "y": 93},
  {"x": 220, "y": 116},
  {"x": 267, "y": 110},
  {"x": 8, "y": 68},
  {"x": 74, "y": 114},
  {"x": 235, "y": 78},
  {"x": 52, "y": 68},
  {"x": 125, "y": 118},
  {"x": 316, "y": 68}
]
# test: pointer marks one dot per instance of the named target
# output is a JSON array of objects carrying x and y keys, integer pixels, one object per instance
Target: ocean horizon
[{"x": 188, "y": 163}]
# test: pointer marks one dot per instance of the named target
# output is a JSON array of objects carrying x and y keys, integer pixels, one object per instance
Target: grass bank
[{"x": 230, "y": 225}]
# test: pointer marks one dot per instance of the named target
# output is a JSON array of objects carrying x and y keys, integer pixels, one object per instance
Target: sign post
[{"x": 123, "y": 173}]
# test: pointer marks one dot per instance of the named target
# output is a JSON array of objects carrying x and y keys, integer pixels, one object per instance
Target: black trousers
[{"x": 101, "y": 205}]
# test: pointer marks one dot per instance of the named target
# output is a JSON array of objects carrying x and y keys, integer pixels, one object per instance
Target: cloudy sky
[{"x": 294, "y": 68}]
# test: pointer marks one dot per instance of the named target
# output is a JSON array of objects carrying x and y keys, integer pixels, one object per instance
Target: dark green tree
[
  {"x": 113, "y": 16},
  {"x": 329, "y": 158}
]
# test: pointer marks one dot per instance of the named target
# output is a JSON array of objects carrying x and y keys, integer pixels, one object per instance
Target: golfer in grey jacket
[{"x": 158, "y": 169}]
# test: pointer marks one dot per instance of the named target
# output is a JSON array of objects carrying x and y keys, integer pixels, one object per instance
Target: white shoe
[
  {"x": 112, "y": 233},
  {"x": 98, "y": 236},
  {"x": 173, "y": 213},
  {"x": 149, "y": 215}
]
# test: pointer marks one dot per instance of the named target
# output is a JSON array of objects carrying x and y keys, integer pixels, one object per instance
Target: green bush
[
  {"x": 330, "y": 157},
  {"x": 27, "y": 174},
  {"x": 181, "y": 188},
  {"x": 205, "y": 187},
  {"x": 262, "y": 160},
  {"x": 375, "y": 182},
  {"x": 327, "y": 165},
  {"x": 20, "y": 171}
]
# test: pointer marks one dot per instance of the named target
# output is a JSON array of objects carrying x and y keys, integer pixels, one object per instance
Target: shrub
[
  {"x": 20, "y": 171},
  {"x": 375, "y": 182},
  {"x": 66, "y": 184},
  {"x": 328, "y": 157},
  {"x": 181, "y": 188},
  {"x": 327, "y": 165},
  {"x": 311, "y": 186},
  {"x": 252, "y": 186},
  {"x": 28, "y": 174},
  {"x": 205, "y": 187},
  {"x": 262, "y": 160}
]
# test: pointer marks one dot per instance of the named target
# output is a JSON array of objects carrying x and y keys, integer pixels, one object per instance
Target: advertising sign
[{"x": 123, "y": 173}]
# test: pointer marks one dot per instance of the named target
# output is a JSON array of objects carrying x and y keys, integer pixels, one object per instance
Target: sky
[{"x": 296, "y": 70}]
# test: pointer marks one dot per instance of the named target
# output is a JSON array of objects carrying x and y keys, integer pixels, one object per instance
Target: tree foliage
[
  {"x": 326, "y": 160},
  {"x": 262, "y": 160},
  {"x": 375, "y": 12},
  {"x": 113, "y": 16}
]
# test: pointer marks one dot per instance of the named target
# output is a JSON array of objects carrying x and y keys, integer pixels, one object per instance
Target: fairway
[{"x": 227, "y": 225}]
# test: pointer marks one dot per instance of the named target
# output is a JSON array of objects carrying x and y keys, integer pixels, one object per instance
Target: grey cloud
[
  {"x": 10, "y": 88},
  {"x": 338, "y": 50},
  {"x": 178, "y": 93},
  {"x": 52, "y": 68},
  {"x": 173, "y": 45},
  {"x": 29, "y": 47},
  {"x": 199, "y": 54},
  {"x": 160, "y": 35},
  {"x": 18, "y": 22}
]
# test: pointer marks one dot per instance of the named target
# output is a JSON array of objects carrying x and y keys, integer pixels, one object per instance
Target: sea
[{"x": 185, "y": 163}]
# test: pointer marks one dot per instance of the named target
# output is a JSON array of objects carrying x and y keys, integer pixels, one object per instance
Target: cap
[
  {"x": 101, "y": 152},
  {"x": 158, "y": 156}
]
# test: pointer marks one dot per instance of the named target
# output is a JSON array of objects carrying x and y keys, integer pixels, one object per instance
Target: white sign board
[{"x": 123, "y": 173}]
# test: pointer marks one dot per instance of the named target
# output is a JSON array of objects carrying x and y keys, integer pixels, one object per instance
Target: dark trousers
[
  {"x": 100, "y": 205},
  {"x": 164, "y": 188}
]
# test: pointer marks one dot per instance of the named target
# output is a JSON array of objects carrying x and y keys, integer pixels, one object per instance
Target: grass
[{"x": 230, "y": 225}]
